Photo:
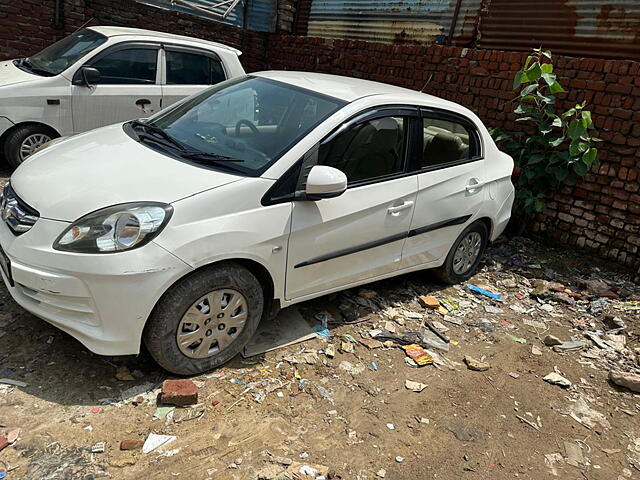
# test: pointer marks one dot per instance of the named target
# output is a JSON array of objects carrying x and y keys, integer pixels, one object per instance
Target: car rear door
[
  {"x": 451, "y": 183},
  {"x": 129, "y": 87},
  {"x": 358, "y": 235},
  {"x": 187, "y": 71}
]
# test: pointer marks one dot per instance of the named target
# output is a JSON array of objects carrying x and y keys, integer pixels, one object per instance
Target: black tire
[
  {"x": 14, "y": 140},
  {"x": 446, "y": 272},
  {"x": 160, "y": 332}
]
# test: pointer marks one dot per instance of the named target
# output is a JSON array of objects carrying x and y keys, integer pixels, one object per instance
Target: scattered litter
[
  {"x": 123, "y": 374},
  {"x": 414, "y": 386},
  {"x": 516, "y": 339},
  {"x": 162, "y": 411},
  {"x": 287, "y": 328},
  {"x": 582, "y": 413},
  {"x": 626, "y": 380},
  {"x": 99, "y": 447},
  {"x": 418, "y": 354},
  {"x": 476, "y": 365},
  {"x": 574, "y": 455},
  {"x": 555, "y": 378},
  {"x": 155, "y": 441},
  {"x": 399, "y": 459},
  {"x": 13, "y": 383},
  {"x": 484, "y": 292}
]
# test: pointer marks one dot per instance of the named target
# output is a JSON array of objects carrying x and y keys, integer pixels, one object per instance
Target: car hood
[
  {"x": 10, "y": 74},
  {"x": 106, "y": 167}
]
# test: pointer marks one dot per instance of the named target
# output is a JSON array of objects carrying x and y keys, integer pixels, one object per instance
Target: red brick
[
  {"x": 180, "y": 392},
  {"x": 131, "y": 444},
  {"x": 4, "y": 443}
]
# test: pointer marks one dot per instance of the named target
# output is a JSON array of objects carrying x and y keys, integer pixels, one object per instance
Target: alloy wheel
[
  {"x": 31, "y": 144},
  {"x": 467, "y": 253}
]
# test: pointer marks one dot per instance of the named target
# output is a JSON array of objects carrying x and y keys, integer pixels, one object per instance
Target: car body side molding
[{"x": 385, "y": 240}]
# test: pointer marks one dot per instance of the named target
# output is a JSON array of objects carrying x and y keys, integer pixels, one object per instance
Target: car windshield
[
  {"x": 61, "y": 55},
  {"x": 250, "y": 122}
]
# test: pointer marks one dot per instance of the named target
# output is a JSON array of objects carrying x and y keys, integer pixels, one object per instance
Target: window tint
[
  {"x": 61, "y": 55},
  {"x": 367, "y": 150},
  {"x": 445, "y": 142},
  {"x": 192, "y": 69},
  {"x": 132, "y": 66}
]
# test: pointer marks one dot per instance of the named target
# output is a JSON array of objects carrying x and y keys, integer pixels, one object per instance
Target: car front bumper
[{"x": 103, "y": 300}]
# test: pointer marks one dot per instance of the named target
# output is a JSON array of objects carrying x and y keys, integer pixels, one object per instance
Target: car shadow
[{"x": 57, "y": 368}]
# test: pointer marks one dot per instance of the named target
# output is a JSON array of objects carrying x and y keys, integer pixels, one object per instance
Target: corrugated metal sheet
[
  {"x": 393, "y": 21},
  {"x": 573, "y": 27},
  {"x": 262, "y": 15},
  {"x": 235, "y": 17}
]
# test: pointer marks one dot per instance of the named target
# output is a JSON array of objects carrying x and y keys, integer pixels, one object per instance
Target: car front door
[
  {"x": 187, "y": 71},
  {"x": 358, "y": 235},
  {"x": 450, "y": 185},
  {"x": 128, "y": 88}
]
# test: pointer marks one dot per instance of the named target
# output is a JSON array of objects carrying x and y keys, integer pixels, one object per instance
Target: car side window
[
  {"x": 368, "y": 150},
  {"x": 184, "y": 68},
  {"x": 446, "y": 141},
  {"x": 134, "y": 66}
]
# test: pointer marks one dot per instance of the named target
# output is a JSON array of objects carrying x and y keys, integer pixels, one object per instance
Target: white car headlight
[{"x": 114, "y": 229}]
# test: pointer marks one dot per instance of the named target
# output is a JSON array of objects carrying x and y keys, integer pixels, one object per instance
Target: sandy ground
[{"x": 298, "y": 405}]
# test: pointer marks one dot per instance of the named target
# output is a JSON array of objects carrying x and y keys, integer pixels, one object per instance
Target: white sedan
[{"x": 186, "y": 229}]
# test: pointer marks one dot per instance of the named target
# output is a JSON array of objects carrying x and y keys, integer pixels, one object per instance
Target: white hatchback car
[
  {"x": 264, "y": 191},
  {"x": 99, "y": 76}
]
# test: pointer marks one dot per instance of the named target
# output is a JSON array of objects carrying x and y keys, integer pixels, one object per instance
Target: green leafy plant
[{"x": 554, "y": 147}]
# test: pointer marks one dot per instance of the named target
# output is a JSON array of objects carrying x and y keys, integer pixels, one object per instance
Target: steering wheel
[{"x": 248, "y": 123}]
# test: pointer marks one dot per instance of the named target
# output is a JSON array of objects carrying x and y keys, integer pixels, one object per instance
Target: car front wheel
[
  {"x": 23, "y": 142},
  {"x": 465, "y": 254},
  {"x": 205, "y": 319}
]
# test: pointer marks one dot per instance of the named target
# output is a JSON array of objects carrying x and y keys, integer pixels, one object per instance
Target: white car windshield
[
  {"x": 247, "y": 123},
  {"x": 61, "y": 55}
]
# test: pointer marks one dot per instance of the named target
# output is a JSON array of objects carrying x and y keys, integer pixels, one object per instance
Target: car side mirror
[
  {"x": 87, "y": 76},
  {"x": 325, "y": 182}
]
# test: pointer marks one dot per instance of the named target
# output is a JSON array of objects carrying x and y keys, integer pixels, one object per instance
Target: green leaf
[
  {"x": 546, "y": 68},
  {"x": 555, "y": 87},
  {"x": 534, "y": 72},
  {"x": 519, "y": 79},
  {"x": 520, "y": 109},
  {"x": 568, "y": 113},
  {"x": 557, "y": 122},
  {"x": 547, "y": 53},
  {"x": 560, "y": 174},
  {"x": 576, "y": 130},
  {"x": 550, "y": 78},
  {"x": 580, "y": 168},
  {"x": 586, "y": 119},
  {"x": 556, "y": 142},
  {"x": 524, "y": 119},
  {"x": 590, "y": 156},
  {"x": 528, "y": 89},
  {"x": 533, "y": 159}
]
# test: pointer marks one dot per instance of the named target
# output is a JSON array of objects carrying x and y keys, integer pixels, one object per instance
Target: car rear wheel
[
  {"x": 205, "y": 319},
  {"x": 465, "y": 254},
  {"x": 23, "y": 142}
]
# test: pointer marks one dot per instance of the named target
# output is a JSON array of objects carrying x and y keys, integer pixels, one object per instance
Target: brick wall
[
  {"x": 601, "y": 213},
  {"x": 27, "y": 26}
]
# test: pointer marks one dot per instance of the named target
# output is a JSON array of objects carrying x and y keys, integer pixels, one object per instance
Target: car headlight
[{"x": 114, "y": 229}]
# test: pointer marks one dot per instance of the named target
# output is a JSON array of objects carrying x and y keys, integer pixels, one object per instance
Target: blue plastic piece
[{"x": 482, "y": 291}]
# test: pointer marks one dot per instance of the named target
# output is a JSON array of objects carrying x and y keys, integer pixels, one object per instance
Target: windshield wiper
[
  {"x": 159, "y": 131},
  {"x": 26, "y": 64},
  {"x": 201, "y": 157},
  {"x": 216, "y": 157}
]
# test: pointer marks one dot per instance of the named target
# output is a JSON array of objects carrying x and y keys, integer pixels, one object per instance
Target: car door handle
[
  {"x": 143, "y": 102},
  {"x": 399, "y": 208},
  {"x": 473, "y": 185}
]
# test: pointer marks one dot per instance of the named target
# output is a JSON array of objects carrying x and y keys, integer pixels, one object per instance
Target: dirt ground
[{"x": 296, "y": 404}]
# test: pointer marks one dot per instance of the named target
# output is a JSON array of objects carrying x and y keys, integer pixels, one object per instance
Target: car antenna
[{"x": 426, "y": 83}]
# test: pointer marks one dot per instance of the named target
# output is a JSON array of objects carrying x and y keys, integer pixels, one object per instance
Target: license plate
[{"x": 5, "y": 264}]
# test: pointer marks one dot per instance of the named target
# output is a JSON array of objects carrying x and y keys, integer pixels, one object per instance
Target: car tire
[
  {"x": 170, "y": 319},
  {"x": 452, "y": 272},
  {"x": 26, "y": 137}
]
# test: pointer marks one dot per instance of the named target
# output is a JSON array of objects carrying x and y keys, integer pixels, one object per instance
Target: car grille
[{"x": 19, "y": 216}]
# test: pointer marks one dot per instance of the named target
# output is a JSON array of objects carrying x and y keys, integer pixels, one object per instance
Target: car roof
[
  {"x": 350, "y": 89},
  {"x": 109, "y": 31}
]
